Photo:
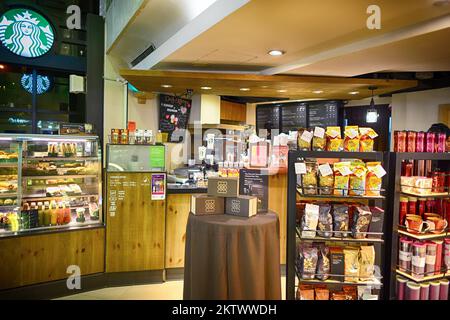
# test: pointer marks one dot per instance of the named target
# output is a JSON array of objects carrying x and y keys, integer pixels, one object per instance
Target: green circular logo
[{"x": 26, "y": 33}]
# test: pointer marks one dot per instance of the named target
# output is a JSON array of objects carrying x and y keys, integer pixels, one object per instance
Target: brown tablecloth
[{"x": 232, "y": 258}]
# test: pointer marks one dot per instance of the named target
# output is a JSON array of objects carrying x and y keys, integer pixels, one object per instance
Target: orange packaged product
[
  {"x": 351, "y": 140},
  {"x": 366, "y": 142},
  {"x": 375, "y": 173},
  {"x": 334, "y": 139}
]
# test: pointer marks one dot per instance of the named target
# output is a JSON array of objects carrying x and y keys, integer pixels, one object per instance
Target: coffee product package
[
  {"x": 325, "y": 224},
  {"x": 308, "y": 261},
  {"x": 322, "y": 294},
  {"x": 361, "y": 222},
  {"x": 310, "y": 220},
  {"x": 340, "y": 221},
  {"x": 351, "y": 256},
  {"x": 323, "y": 264},
  {"x": 366, "y": 263},
  {"x": 336, "y": 263},
  {"x": 305, "y": 292},
  {"x": 309, "y": 179}
]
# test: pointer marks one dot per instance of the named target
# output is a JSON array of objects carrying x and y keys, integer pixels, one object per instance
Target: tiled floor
[{"x": 170, "y": 290}]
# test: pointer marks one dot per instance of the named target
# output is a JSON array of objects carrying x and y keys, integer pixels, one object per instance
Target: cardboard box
[
  {"x": 223, "y": 187},
  {"x": 337, "y": 263},
  {"x": 202, "y": 204},
  {"x": 242, "y": 206}
]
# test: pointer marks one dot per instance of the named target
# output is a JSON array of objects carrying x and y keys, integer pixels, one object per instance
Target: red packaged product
[
  {"x": 420, "y": 141},
  {"x": 400, "y": 141},
  {"x": 411, "y": 141},
  {"x": 430, "y": 137},
  {"x": 438, "y": 263}
]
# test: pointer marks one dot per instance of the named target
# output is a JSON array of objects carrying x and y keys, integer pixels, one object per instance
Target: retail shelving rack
[
  {"x": 293, "y": 230},
  {"x": 394, "y": 193}
]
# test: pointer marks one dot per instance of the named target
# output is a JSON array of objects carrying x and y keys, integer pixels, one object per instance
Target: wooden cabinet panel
[
  {"x": 43, "y": 258},
  {"x": 278, "y": 203},
  {"x": 178, "y": 207},
  {"x": 231, "y": 111},
  {"x": 135, "y": 233}
]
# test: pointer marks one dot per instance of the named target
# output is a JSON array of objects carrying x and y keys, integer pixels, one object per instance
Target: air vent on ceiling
[{"x": 143, "y": 55}]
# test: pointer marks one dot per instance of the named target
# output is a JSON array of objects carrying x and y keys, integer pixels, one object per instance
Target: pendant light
[{"x": 372, "y": 113}]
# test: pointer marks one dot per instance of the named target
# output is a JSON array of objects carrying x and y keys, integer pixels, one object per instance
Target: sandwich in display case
[{"x": 49, "y": 183}]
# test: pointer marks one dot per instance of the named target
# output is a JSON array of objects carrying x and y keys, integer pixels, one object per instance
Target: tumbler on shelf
[
  {"x": 441, "y": 143},
  {"x": 444, "y": 284},
  {"x": 411, "y": 141},
  {"x": 430, "y": 205},
  {"x": 439, "y": 257},
  {"x": 400, "y": 141},
  {"x": 401, "y": 288},
  {"x": 424, "y": 291},
  {"x": 420, "y": 142},
  {"x": 438, "y": 181},
  {"x": 447, "y": 254},
  {"x": 435, "y": 288},
  {"x": 430, "y": 137},
  {"x": 430, "y": 258},
  {"x": 405, "y": 254},
  {"x": 412, "y": 291},
  {"x": 403, "y": 210},
  {"x": 418, "y": 259},
  {"x": 412, "y": 205},
  {"x": 421, "y": 204}
]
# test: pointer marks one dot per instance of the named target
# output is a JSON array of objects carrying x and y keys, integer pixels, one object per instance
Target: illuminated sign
[
  {"x": 42, "y": 82},
  {"x": 26, "y": 33}
]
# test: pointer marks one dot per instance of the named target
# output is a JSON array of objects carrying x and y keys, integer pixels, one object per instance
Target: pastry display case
[{"x": 49, "y": 183}]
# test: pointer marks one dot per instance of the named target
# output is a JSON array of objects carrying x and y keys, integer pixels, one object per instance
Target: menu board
[
  {"x": 323, "y": 114},
  {"x": 255, "y": 183},
  {"x": 267, "y": 117},
  {"x": 293, "y": 117},
  {"x": 173, "y": 115}
]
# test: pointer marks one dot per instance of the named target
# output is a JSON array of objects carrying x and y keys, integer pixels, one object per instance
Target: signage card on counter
[
  {"x": 255, "y": 183},
  {"x": 158, "y": 187},
  {"x": 157, "y": 157}
]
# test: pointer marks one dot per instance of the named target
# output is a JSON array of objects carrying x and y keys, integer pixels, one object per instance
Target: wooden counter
[
  {"x": 278, "y": 204},
  {"x": 28, "y": 260}
]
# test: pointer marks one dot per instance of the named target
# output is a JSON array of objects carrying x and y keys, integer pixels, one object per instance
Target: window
[{"x": 36, "y": 101}]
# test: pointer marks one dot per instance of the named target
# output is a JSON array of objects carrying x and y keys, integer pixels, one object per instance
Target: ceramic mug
[
  {"x": 415, "y": 224},
  {"x": 437, "y": 224}
]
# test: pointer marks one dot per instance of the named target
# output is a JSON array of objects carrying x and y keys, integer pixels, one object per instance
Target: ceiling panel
[{"x": 295, "y": 87}]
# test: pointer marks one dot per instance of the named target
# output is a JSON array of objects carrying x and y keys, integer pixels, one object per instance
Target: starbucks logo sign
[
  {"x": 42, "y": 83},
  {"x": 26, "y": 33}
]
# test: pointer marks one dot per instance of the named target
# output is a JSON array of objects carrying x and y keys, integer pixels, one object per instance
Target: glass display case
[
  {"x": 49, "y": 183},
  {"x": 135, "y": 158}
]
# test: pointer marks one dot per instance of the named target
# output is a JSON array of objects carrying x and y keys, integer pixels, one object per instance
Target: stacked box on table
[
  {"x": 202, "y": 204},
  {"x": 242, "y": 206},
  {"x": 223, "y": 187}
]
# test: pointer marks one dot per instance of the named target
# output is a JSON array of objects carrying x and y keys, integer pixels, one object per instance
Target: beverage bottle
[
  {"x": 53, "y": 213},
  {"x": 47, "y": 218},
  {"x": 41, "y": 210}
]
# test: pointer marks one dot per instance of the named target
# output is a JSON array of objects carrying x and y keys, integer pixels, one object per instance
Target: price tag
[
  {"x": 333, "y": 133},
  {"x": 319, "y": 132},
  {"x": 325, "y": 170},
  {"x": 311, "y": 208},
  {"x": 300, "y": 168},
  {"x": 345, "y": 171},
  {"x": 379, "y": 171},
  {"x": 352, "y": 133},
  {"x": 373, "y": 134},
  {"x": 307, "y": 136}
]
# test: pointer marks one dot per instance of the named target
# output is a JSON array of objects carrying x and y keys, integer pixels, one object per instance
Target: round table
[{"x": 232, "y": 258}]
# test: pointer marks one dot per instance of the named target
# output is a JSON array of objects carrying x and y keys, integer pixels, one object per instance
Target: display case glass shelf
[{"x": 51, "y": 183}]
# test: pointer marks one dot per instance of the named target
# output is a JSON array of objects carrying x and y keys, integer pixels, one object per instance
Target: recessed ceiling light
[
  {"x": 206, "y": 88},
  {"x": 282, "y": 91},
  {"x": 276, "y": 53},
  {"x": 245, "y": 89},
  {"x": 2, "y": 66},
  {"x": 318, "y": 91},
  {"x": 166, "y": 86},
  {"x": 354, "y": 92},
  {"x": 264, "y": 87}
]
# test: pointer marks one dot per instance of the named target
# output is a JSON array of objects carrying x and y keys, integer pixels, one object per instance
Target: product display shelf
[
  {"x": 424, "y": 236},
  {"x": 86, "y": 176},
  {"x": 431, "y": 195},
  {"x": 344, "y": 240},
  {"x": 78, "y": 159},
  {"x": 369, "y": 282},
  {"x": 8, "y": 195},
  {"x": 44, "y": 198},
  {"x": 394, "y": 193},
  {"x": 335, "y": 197},
  {"x": 8, "y": 164},
  {"x": 423, "y": 279},
  {"x": 293, "y": 231}
]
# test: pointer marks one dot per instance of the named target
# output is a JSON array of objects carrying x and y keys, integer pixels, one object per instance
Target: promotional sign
[
  {"x": 158, "y": 186},
  {"x": 26, "y": 33},
  {"x": 173, "y": 116},
  {"x": 255, "y": 183},
  {"x": 157, "y": 157}
]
